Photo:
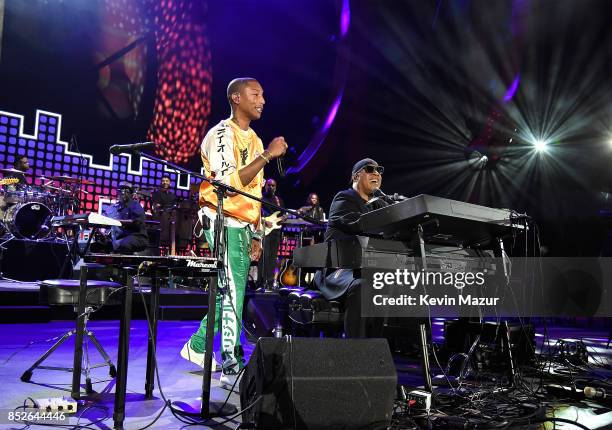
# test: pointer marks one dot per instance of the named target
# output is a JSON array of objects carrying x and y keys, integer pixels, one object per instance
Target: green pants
[{"x": 228, "y": 313}]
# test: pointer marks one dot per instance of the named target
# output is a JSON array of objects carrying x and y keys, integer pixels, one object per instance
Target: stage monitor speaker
[
  {"x": 315, "y": 383},
  {"x": 32, "y": 260}
]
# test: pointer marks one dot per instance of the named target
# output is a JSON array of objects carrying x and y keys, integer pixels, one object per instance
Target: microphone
[
  {"x": 281, "y": 169},
  {"x": 389, "y": 199},
  {"x": 132, "y": 147},
  {"x": 279, "y": 162}
]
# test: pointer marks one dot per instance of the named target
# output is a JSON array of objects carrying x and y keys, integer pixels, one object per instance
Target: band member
[
  {"x": 345, "y": 210},
  {"x": 131, "y": 236},
  {"x": 232, "y": 153},
  {"x": 272, "y": 235},
  {"x": 23, "y": 164},
  {"x": 164, "y": 198},
  {"x": 164, "y": 201},
  {"x": 313, "y": 208}
]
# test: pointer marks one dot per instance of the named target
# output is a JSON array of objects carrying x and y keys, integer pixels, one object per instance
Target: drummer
[{"x": 20, "y": 167}]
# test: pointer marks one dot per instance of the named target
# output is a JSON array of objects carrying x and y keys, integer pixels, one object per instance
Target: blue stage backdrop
[{"x": 50, "y": 156}]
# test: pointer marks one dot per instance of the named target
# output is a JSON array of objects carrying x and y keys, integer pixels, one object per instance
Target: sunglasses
[{"x": 372, "y": 169}]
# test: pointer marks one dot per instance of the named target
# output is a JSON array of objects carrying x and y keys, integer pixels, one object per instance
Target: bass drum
[{"x": 28, "y": 220}]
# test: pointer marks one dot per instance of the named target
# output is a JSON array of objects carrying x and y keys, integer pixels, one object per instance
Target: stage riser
[
  {"x": 22, "y": 306},
  {"x": 19, "y": 314}
]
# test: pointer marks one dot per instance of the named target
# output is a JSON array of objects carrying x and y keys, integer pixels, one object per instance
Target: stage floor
[{"x": 22, "y": 344}]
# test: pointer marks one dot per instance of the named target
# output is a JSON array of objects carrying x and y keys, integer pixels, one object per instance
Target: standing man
[
  {"x": 233, "y": 154},
  {"x": 344, "y": 214},
  {"x": 164, "y": 201},
  {"x": 272, "y": 236},
  {"x": 163, "y": 198}
]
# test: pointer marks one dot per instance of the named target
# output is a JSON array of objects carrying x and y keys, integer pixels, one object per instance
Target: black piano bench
[
  {"x": 311, "y": 313},
  {"x": 57, "y": 292}
]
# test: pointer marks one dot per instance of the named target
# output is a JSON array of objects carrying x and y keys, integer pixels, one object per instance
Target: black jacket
[
  {"x": 166, "y": 199},
  {"x": 344, "y": 213}
]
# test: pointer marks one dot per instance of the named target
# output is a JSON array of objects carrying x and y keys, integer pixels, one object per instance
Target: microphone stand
[{"x": 210, "y": 409}]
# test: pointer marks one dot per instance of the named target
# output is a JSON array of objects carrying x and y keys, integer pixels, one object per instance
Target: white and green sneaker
[
  {"x": 197, "y": 357},
  {"x": 230, "y": 379}
]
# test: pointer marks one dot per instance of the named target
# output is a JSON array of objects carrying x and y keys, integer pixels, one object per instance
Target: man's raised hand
[{"x": 277, "y": 147}]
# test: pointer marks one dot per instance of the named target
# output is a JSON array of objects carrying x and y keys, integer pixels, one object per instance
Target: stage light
[
  {"x": 476, "y": 160},
  {"x": 540, "y": 145}
]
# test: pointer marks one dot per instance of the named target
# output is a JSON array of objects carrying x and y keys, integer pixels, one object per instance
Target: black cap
[
  {"x": 124, "y": 184},
  {"x": 362, "y": 163}
]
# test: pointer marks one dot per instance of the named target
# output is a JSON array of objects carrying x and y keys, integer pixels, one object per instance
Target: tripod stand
[{"x": 86, "y": 370}]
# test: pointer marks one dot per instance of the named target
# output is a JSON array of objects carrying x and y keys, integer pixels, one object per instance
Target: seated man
[
  {"x": 131, "y": 236},
  {"x": 345, "y": 210}
]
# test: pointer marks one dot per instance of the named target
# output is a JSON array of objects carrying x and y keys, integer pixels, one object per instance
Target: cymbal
[
  {"x": 11, "y": 171},
  {"x": 61, "y": 190},
  {"x": 72, "y": 180}
]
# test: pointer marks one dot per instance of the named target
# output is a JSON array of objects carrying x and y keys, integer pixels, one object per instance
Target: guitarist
[{"x": 272, "y": 236}]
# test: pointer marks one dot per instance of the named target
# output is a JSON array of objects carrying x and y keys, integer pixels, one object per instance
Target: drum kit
[{"x": 26, "y": 210}]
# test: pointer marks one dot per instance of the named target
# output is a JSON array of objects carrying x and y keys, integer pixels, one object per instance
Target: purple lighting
[
  {"x": 512, "y": 90},
  {"x": 332, "y": 113},
  {"x": 345, "y": 18},
  {"x": 318, "y": 139},
  {"x": 340, "y": 82}
]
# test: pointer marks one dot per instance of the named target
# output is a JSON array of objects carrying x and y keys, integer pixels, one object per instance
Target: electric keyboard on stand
[
  {"x": 169, "y": 261},
  {"x": 362, "y": 252},
  {"x": 296, "y": 222},
  {"x": 449, "y": 234},
  {"x": 76, "y": 223},
  {"x": 443, "y": 220},
  {"x": 91, "y": 219},
  {"x": 130, "y": 266}
]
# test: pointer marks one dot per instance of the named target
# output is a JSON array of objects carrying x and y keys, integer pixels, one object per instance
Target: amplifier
[{"x": 31, "y": 260}]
